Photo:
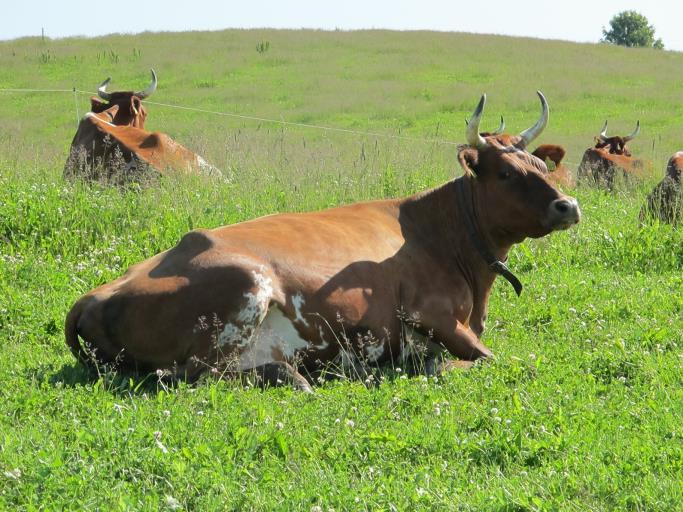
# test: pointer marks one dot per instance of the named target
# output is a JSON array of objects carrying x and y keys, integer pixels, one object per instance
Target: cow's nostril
[{"x": 562, "y": 206}]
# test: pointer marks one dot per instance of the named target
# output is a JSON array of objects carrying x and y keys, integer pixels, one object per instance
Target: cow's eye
[{"x": 504, "y": 174}]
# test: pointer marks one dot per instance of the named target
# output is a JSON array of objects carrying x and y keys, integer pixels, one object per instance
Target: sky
[{"x": 572, "y": 20}]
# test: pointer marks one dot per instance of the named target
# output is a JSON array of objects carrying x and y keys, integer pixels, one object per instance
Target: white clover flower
[
  {"x": 157, "y": 440},
  {"x": 14, "y": 474},
  {"x": 172, "y": 503}
]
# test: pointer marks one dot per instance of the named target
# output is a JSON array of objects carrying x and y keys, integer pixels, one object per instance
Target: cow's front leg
[
  {"x": 459, "y": 340},
  {"x": 464, "y": 344}
]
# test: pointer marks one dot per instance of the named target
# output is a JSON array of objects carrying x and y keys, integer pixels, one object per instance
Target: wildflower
[
  {"x": 157, "y": 440},
  {"x": 14, "y": 474},
  {"x": 172, "y": 503}
]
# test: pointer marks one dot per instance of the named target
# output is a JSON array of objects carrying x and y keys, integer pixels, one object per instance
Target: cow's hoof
[{"x": 300, "y": 383}]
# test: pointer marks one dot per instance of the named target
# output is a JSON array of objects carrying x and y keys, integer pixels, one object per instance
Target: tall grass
[{"x": 415, "y": 83}]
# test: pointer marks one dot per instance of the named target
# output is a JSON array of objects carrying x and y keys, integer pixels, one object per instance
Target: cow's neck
[
  {"x": 491, "y": 245},
  {"x": 453, "y": 228}
]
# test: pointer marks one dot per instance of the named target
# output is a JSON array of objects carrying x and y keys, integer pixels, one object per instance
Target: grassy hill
[
  {"x": 419, "y": 83},
  {"x": 581, "y": 409}
]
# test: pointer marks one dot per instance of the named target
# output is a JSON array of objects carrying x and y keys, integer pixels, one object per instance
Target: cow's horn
[
  {"x": 634, "y": 134},
  {"x": 145, "y": 93},
  {"x": 474, "y": 139},
  {"x": 530, "y": 134},
  {"x": 500, "y": 128},
  {"x": 102, "y": 90},
  {"x": 603, "y": 132}
]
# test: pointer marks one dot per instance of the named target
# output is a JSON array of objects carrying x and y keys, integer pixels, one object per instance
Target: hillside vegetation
[{"x": 582, "y": 408}]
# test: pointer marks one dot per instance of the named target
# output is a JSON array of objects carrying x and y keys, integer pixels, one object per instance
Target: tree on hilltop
[{"x": 629, "y": 28}]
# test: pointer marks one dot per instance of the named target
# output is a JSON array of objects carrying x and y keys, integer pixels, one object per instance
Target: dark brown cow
[
  {"x": 610, "y": 159},
  {"x": 301, "y": 290},
  {"x": 665, "y": 202},
  {"x": 112, "y": 143}
]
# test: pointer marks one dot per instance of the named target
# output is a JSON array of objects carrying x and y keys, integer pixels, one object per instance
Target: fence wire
[{"x": 259, "y": 119}]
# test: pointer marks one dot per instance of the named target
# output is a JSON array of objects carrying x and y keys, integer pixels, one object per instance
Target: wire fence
[
  {"x": 259, "y": 119},
  {"x": 283, "y": 122}
]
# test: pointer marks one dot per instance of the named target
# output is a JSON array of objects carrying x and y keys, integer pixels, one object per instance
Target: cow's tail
[{"x": 71, "y": 332}]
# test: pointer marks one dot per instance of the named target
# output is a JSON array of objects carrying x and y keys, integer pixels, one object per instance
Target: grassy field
[{"x": 582, "y": 409}]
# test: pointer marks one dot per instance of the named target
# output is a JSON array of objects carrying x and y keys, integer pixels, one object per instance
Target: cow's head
[
  {"x": 122, "y": 108},
  {"x": 675, "y": 167},
  {"x": 513, "y": 196},
  {"x": 615, "y": 145}
]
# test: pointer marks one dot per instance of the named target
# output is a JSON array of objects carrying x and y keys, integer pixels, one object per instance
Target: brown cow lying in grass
[
  {"x": 665, "y": 202},
  {"x": 298, "y": 291},
  {"x": 610, "y": 161},
  {"x": 112, "y": 145}
]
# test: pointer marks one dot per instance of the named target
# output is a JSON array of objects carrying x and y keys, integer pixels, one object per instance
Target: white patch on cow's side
[
  {"x": 275, "y": 339},
  {"x": 250, "y": 316},
  {"x": 257, "y": 303},
  {"x": 323, "y": 342},
  {"x": 233, "y": 335},
  {"x": 297, "y": 302},
  {"x": 374, "y": 351}
]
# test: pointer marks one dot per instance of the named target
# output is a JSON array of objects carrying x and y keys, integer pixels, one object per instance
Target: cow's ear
[
  {"x": 97, "y": 105},
  {"x": 468, "y": 157},
  {"x": 135, "y": 105},
  {"x": 552, "y": 152}
]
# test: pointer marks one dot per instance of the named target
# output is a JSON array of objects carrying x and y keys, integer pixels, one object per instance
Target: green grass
[{"x": 582, "y": 408}]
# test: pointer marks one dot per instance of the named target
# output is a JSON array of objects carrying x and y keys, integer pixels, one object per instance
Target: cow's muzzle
[{"x": 563, "y": 213}]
